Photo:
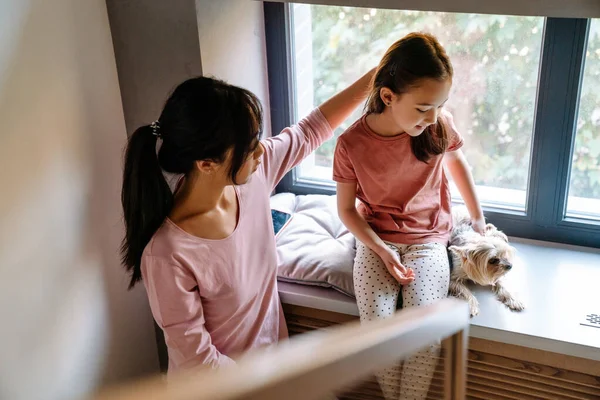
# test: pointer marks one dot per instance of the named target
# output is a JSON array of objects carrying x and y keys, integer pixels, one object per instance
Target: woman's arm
[
  {"x": 339, "y": 107},
  {"x": 356, "y": 224},
  {"x": 177, "y": 309},
  {"x": 286, "y": 150},
  {"x": 459, "y": 169}
]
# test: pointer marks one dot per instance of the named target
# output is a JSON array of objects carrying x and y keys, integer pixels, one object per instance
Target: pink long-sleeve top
[{"x": 215, "y": 299}]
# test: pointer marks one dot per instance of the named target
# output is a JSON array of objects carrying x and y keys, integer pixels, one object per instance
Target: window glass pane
[
  {"x": 584, "y": 187},
  {"x": 496, "y": 62}
]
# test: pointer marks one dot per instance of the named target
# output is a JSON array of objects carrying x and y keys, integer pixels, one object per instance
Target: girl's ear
[{"x": 387, "y": 96}]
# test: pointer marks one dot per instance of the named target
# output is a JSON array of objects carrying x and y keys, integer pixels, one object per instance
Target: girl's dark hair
[
  {"x": 406, "y": 63},
  {"x": 202, "y": 119}
]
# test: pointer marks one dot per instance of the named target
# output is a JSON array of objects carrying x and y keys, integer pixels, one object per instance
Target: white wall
[
  {"x": 67, "y": 322},
  {"x": 232, "y": 45}
]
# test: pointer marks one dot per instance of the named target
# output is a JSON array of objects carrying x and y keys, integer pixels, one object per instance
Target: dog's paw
[
  {"x": 473, "y": 308},
  {"x": 506, "y": 298},
  {"x": 514, "y": 304}
]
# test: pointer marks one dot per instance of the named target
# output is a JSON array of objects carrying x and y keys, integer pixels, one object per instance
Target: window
[
  {"x": 494, "y": 90},
  {"x": 584, "y": 187},
  {"x": 525, "y": 103}
]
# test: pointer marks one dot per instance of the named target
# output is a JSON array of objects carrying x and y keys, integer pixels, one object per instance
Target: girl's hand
[
  {"x": 478, "y": 225},
  {"x": 390, "y": 258}
]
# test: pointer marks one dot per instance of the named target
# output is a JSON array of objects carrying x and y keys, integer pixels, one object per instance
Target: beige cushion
[{"x": 314, "y": 248}]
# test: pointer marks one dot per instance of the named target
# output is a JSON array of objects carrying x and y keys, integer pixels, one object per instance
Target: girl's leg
[
  {"x": 377, "y": 296},
  {"x": 432, "y": 274}
]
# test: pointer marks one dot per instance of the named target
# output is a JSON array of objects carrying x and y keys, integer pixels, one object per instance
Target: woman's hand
[{"x": 390, "y": 258}]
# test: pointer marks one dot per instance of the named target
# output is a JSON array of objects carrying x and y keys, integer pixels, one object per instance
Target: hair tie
[{"x": 156, "y": 128}]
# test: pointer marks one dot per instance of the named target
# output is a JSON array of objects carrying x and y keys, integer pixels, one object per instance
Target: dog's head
[{"x": 487, "y": 258}]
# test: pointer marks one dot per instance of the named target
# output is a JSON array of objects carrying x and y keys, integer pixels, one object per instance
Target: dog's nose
[{"x": 508, "y": 267}]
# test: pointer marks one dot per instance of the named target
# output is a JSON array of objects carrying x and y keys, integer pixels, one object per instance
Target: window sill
[{"x": 558, "y": 284}]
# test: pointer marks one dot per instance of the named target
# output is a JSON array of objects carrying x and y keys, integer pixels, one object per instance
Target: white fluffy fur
[{"x": 480, "y": 259}]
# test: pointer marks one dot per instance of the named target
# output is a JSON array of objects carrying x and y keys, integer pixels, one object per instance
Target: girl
[
  {"x": 207, "y": 253},
  {"x": 392, "y": 160}
]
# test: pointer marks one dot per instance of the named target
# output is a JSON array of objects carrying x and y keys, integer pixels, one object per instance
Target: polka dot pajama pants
[{"x": 377, "y": 297}]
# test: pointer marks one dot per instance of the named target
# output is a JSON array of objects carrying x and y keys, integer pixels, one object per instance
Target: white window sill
[{"x": 559, "y": 285}]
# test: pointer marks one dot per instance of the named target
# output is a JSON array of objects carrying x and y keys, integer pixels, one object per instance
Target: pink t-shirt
[
  {"x": 404, "y": 200},
  {"x": 215, "y": 299}
]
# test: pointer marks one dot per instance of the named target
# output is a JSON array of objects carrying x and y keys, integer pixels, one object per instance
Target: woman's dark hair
[
  {"x": 202, "y": 120},
  {"x": 406, "y": 63}
]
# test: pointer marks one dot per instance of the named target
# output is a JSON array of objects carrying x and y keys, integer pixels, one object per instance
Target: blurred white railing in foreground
[{"x": 315, "y": 364}]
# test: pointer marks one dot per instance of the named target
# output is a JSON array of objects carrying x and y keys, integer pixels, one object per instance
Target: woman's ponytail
[{"x": 146, "y": 198}]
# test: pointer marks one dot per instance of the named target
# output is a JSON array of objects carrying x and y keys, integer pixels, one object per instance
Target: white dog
[{"x": 480, "y": 259}]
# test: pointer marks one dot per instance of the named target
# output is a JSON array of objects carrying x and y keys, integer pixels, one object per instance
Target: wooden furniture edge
[{"x": 520, "y": 353}]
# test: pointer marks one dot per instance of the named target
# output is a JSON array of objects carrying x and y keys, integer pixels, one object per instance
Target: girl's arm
[
  {"x": 459, "y": 169},
  {"x": 356, "y": 224},
  {"x": 286, "y": 150}
]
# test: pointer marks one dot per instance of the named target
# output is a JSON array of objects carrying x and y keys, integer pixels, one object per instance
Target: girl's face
[{"x": 419, "y": 107}]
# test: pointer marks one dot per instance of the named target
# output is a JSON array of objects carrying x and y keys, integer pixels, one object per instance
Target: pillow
[{"x": 314, "y": 247}]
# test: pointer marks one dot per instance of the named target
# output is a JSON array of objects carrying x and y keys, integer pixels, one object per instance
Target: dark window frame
[{"x": 561, "y": 71}]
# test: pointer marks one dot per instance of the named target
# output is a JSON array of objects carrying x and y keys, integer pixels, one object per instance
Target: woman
[{"x": 206, "y": 254}]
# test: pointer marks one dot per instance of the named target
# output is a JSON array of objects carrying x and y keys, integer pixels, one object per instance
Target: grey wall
[
  {"x": 158, "y": 44},
  {"x": 156, "y": 47}
]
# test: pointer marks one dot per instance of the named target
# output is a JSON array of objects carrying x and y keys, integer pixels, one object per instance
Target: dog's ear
[
  {"x": 459, "y": 251},
  {"x": 491, "y": 230}
]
